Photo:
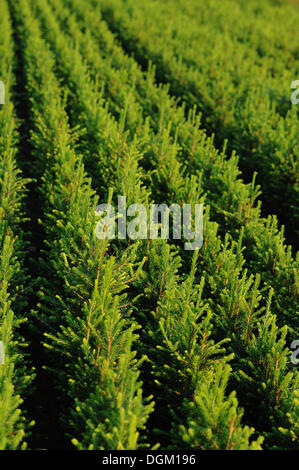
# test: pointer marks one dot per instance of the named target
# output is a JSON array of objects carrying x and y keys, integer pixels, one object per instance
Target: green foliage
[
  {"x": 214, "y": 420},
  {"x": 177, "y": 155},
  {"x": 241, "y": 86},
  {"x": 81, "y": 294},
  {"x": 138, "y": 334},
  {"x": 266, "y": 376},
  {"x": 15, "y": 376}
]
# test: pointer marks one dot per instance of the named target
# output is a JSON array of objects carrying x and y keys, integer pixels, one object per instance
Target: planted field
[{"x": 149, "y": 276}]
